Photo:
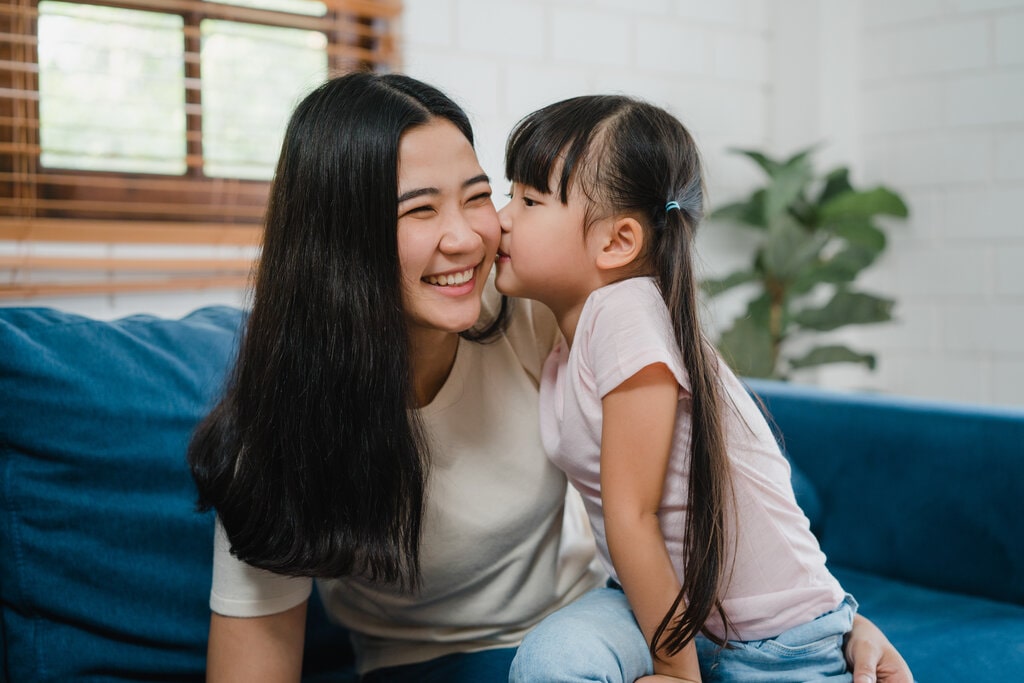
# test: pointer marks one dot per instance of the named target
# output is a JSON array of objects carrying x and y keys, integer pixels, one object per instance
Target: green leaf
[
  {"x": 846, "y": 264},
  {"x": 789, "y": 248},
  {"x": 822, "y": 355},
  {"x": 800, "y": 156},
  {"x": 787, "y": 185},
  {"x": 846, "y": 308},
  {"x": 750, "y": 212},
  {"x": 769, "y": 165},
  {"x": 747, "y": 347},
  {"x": 861, "y": 234},
  {"x": 836, "y": 182},
  {"x": 863, "y": 204},
  {"x": 714, "y": 287}
]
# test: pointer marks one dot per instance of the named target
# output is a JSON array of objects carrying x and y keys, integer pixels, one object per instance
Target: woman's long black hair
[
  {"x": 631, "y": 157},
  {"x": 313, "y": 459}
]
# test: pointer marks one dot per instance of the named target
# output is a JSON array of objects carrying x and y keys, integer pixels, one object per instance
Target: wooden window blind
[{"x": 157, "y": 122}]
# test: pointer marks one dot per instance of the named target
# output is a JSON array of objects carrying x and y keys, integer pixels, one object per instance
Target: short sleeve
[
  {"x": 241, "y": 590},
  {"x": 627, "y": 329}
]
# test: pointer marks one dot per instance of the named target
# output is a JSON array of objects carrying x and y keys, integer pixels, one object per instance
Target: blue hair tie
[{"x": 670, "y": 206}]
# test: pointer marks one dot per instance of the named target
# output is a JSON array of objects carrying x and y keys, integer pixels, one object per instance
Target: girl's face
[
  {"x": 543, "y": 253},
  {"x": 447, "y": 228}
]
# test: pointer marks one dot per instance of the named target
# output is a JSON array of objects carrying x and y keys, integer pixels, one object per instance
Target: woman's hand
[{"x": 872, "y": 658}]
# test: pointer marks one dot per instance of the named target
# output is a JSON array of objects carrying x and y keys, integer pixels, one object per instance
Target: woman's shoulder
[{"x": 532, "y": 330}]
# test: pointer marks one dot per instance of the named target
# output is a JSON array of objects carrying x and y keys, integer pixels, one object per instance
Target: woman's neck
[{"x": 432, "y": 355}]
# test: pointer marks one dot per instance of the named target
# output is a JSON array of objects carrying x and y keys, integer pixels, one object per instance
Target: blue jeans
[
  {"x": 597, "y": 638},
  {"x": 486, "y": 666}
]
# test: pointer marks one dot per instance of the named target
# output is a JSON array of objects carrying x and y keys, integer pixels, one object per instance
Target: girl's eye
[{"x": 529, "y": 202}]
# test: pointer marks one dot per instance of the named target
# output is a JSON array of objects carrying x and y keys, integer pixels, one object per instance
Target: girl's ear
[{"x": 621, "y": 244}]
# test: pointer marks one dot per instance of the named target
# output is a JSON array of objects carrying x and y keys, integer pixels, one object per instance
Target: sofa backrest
[
  {"x": 926, "y": 491},
  {"x": 105, "y": 565}
]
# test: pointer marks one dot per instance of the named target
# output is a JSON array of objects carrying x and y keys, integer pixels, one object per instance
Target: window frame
[
  {"x": 48, "y": 215},
  {"x": 30, "y": 191}
]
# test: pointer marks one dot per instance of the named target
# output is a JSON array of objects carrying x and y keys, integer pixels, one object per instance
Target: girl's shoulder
[
  {"x": 630, "y": 293},
  {"x": 625, "y": 308}
]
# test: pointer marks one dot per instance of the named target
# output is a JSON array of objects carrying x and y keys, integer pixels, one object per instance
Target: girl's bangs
[{"x": 540, "y": 145}]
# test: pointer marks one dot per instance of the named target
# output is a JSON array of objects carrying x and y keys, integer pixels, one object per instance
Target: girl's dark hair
[
  {"x": 313, "y": 460},
  {"x": 630, "y": 157}
]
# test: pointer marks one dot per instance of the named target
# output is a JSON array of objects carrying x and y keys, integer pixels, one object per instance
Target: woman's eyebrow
[
  {"x": 482, "y": 178},
  {"x": 419, "y": 192}
]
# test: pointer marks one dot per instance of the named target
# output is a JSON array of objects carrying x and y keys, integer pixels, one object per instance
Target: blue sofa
[
  {"x": 919, "y": 506},
  {"x": 105, "y": 564}
]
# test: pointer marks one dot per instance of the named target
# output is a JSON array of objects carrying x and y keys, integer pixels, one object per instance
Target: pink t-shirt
[{"x": 778, "y": 577}]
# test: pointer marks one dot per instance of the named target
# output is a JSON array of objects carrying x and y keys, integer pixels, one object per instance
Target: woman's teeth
[{"x": 453, "y": 279}]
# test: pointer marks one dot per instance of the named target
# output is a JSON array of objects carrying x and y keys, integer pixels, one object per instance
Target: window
[{"x": 163, "y": 111}]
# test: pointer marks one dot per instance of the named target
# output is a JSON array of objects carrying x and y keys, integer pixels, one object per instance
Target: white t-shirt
[
  {"x": 499, "y": 549},
  {"x": 778, "y": 579}
]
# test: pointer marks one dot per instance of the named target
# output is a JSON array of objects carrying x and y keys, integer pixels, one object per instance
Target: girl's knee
[{"x": 584, "y": 642}]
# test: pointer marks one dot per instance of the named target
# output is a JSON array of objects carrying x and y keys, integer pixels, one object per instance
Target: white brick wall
[
  {"x": 924, "y": 95},
  {"x": 943, "y": 108},
  {"x": 706, "y": 61}
]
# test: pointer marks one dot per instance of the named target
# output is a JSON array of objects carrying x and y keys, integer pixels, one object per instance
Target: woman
[{"x": 366, "y": 436}]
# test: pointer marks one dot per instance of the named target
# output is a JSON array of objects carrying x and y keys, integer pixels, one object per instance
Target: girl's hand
[{"x": 872, "y": 658}]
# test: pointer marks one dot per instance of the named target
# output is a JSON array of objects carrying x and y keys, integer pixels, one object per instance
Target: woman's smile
[{"x": 451, "y": 278}]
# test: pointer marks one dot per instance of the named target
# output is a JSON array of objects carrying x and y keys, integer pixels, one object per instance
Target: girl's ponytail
[{"x": 705, "y": 535}]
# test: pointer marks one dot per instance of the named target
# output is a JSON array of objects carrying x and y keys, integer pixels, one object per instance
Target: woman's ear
[{"x": 621, "y": 245}]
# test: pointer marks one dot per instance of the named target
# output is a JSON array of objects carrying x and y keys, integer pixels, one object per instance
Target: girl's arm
[
  {"x": 243, "y": 649},
  {"x": 636, "y": 440}
]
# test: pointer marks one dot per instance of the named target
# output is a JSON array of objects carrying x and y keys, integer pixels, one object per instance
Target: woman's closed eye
[
  {"x": 480, "y": 197},
  {"x": 422, "y": 211}
]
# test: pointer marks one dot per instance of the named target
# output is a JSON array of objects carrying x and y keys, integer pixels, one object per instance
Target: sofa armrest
[{"x": 922, "y": 491}]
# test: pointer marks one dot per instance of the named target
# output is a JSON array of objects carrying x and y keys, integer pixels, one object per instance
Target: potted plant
[{"x": 816, "y": 235}]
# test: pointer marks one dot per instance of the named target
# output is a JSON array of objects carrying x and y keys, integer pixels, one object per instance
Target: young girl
[{"x": 688, "y": 494}]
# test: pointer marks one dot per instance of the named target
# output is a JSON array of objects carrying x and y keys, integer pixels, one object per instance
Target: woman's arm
[
  {"x": 244, "y": 649},
  {"x": 872, "y": 657},
  {"x": 636, "y": 441}
]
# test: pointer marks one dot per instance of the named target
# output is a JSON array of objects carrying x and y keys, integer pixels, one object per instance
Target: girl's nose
[{"x": 504, "y": 219}]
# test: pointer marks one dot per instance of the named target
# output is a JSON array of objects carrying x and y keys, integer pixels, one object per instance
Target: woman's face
[{"x": 447, "y": 228}]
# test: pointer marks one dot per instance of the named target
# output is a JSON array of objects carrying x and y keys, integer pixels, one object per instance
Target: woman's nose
[{"x": 459, "y": 235}]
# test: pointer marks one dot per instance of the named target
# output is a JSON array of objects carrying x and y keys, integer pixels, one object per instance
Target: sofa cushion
[
  {"x": 94, "y": 422},
  {"x": 105, "y": 565},
  {"x": 943, "y": 636}
]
